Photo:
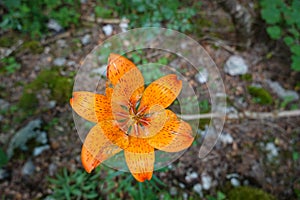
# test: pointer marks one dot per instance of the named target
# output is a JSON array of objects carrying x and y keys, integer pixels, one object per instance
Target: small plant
[
  {"x": 249, "y": 193},
  {"x": 3, "y": 158},
  {"x": 10, "y": 65},
  {"x": 77, "y": 185},
  {"x": 143, "y": 13},
  {"x": 283, "y": 20},
  {"x": 260, "y": 95},
  {"x": 31, "y": 17}
]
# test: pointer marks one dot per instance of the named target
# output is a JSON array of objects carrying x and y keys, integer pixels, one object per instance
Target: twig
[
  {"x": 246, "y": 114},
  {"x": 105, "y": 21}
]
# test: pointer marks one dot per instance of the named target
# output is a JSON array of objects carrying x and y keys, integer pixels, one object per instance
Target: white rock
[
  {"x": 59, "y": 61},
  {"x": 191, "y": 176},
  {"x": 202, "y": 76},
  {"x": 38, "y": 150},
  {"x": 3, "y": 105},
  {"x": 272, "y": 150},
  {"x": 173, "y": 191},
  {"x": 28, "y": 168},
  {"x": 198, "y": 189},
  {"x": 226, "y": 138},
  {"x": 235, "y": 182},
  {"x": 235, "y": 65},
  {"x": 86, "y": 39},
  {"x": 281, "y": 92},
  {"x": 107, "y": 29},
  {"x": 100, "y": 71},
  {"x": 185, "y": 196},
  {"x": 123, "y": 25},
  {"x": 206, "y": 181},
  {"x": 54, "y": 25}
]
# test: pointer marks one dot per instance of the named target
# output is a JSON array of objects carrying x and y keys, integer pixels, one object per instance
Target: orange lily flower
[{"x": 131, "y": 118}]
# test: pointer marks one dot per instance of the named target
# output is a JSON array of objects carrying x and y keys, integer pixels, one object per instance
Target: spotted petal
[
  {"x": 161, "y": 92},
  {"x": 176, "y": 135},
  {"x": 102, "y": 143},
  {"x": 92, "y": 107},
  {"x": 139, "y": 156},
  {"x": 117, "y": 66}
]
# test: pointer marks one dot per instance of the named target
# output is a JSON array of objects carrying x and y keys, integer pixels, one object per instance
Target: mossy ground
[
  {"x": 249, "y": 193},
  {"x": 60, "y": 89},
  {"x": 33, "y": 46},
  {"x": 260, "y": 95}
]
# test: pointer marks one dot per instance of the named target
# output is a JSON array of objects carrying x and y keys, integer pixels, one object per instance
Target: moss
[
  {"x": 28, "y": 101},
  {"x": 249, "y": 193},
  {"x": 8, "y": 41},
  {"x": 260, "y": 95},
  {"x": 60, "y": 89},
  {"x": 33, "y": 46},
  {"x": 247, "y": 77}
]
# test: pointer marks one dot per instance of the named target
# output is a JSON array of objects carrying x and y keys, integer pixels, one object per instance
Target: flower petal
[
  {"x": 140, "y": 158},
  {"x": 98, "y": 147},
  {"x": 92, "y": 107},
  {"x": 176, "y": 135},
  {"x": 161, "y": 92},
  {"x": 117, "y": 66},
  {"x": 129, "y": 88}
]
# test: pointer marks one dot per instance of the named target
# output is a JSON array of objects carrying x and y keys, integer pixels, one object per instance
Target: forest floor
[{"x": 263, "y": 153}]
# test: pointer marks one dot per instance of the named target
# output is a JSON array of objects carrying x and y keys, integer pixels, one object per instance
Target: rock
[
  {"x": 202, "y": 76},
  {"x": 272, "y": 150},
  {"x": 235, "y": 65},
  {"x": 100, "y": 71},
  {"x": 123, "y": 25},
  {"x": 198, "y": 189},
  {"x": 181, "y": 185},
  {"x": 235, "y": 182},
  {"x": 51, "y": 104},
  {"x": 28, "y": 168},
  {"x": 86, "y": 39},
  {"x": 59, "y": 61},
  {"x": 107, "y": 29},
  {"x": 29, "y": 132},
  {"x": 4, "y": 174},
  {"x": 38, "y": 150},
  {"x": 226, "y": 138},
  {"x": 4, "y": 105},
  {"x": 173, "y": 191},
  {"x": 206, "y": 181},
  {"x": 54, "y": 25},
  {"x": 281, "y": 92},
  {"x": 191, "y": 176},
  {"x": 185, "y": 196},
  {"x": 52, "y": 168},
  {"x": 62, "y": 43}
]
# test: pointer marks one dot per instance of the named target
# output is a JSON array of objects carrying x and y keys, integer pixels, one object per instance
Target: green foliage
[
  {"x": 81, "y": 185},
  {"x": 31, "y": 17},
  {"x": 9, "y": 65},
  {"x": 33, "y": 46},
  {"x": 3, "y": 158},
  {"x": 220, "y": 196},
  {"x": 249, "y": 193},
  {"x": 283, "y": 20},
  {"x": 144, "y": 13},
  {"x": 77, "y": 185},
  {"x": 60, "y": 89},
  {"x": 260, "y": 95}
]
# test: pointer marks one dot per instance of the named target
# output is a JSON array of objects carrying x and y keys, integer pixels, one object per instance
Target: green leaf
[
  {"x": 3, "y": 158},
  {"x": 271, "y": 15},
  {"x": 274, "y": 32},
  {"x": 296, "y": 63},
  {"x": 296, "y": 156},
  {"x": 288, "y": 40},
  {"x": 295, "y": 49}
]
